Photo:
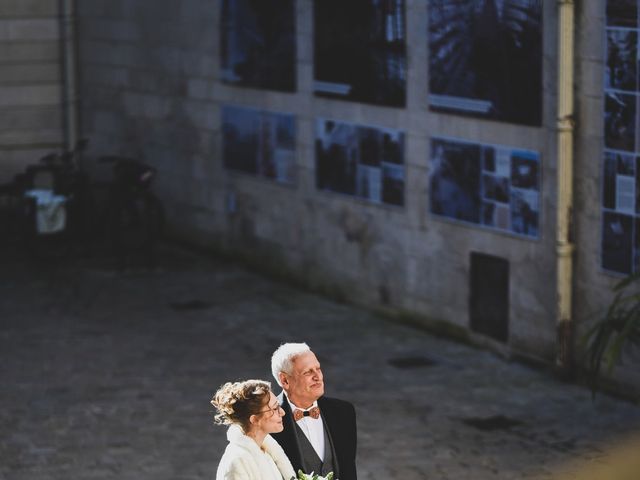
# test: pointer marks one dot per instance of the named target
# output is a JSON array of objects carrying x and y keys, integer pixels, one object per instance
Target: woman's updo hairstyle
[{"x": 237, "y": 401}]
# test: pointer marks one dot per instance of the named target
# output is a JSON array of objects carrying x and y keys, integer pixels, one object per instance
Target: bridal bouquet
[{"x": 313, "y": 476}]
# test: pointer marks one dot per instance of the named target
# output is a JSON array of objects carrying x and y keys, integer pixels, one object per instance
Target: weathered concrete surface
[
  {"x": 108, "y": 376},
  {"x": 30, "y": 83}
]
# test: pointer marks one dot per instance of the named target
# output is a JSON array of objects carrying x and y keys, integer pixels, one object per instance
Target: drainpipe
[
  {"x": 565, "y": 132},
  {"x": 69, "y": 72}
]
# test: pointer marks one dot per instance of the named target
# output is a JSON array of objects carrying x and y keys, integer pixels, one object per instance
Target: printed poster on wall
[
  {"x": 363, "y": 161},
  {"x": 485, "y": 59},
  {"x": 257, "y": 43},
  {"x": 259, "y": 143},
  {"x": 360, "y": 51},
  {"x": 620, "y": 240},
  {"x": 488, "y": 185}
]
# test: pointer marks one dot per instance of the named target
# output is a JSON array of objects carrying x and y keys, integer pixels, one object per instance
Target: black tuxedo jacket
[{"x": 340, "y": 418}]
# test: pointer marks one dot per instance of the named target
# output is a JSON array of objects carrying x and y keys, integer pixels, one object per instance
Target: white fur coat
[{"x": 243, "y": 459}]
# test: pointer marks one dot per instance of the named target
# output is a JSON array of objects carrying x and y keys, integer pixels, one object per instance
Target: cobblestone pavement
[{"x": 109, "y": 376}]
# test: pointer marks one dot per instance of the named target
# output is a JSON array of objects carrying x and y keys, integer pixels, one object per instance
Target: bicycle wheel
[{"x": 136, "y": 225}]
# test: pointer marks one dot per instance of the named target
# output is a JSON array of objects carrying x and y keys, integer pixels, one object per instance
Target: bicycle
[
  {"x": 52, "y": 197},
  {"x": 135, "y": 216}
]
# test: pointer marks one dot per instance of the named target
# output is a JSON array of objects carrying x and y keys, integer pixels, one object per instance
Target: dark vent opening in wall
[{"x": 489, "y": 296}]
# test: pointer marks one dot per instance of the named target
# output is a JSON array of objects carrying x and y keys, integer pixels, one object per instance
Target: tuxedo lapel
[
  {"x": 330, "y": 420},
  {"x": 329, "y": 436},
  {"x": 288, "y": 438},
  {"x": 332, "y": 424}
]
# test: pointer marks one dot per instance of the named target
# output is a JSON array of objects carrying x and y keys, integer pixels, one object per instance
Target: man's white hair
[{"x": 282, "y": 358}]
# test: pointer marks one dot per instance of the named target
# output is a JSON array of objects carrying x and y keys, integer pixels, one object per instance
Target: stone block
[
  {"x": 33, "y": 29},
  {"x": 11, "y": 96},
  {"x": 28, "y": 8},
  {"x": 27, "y": 138},
  {"x": 198, "y": 88},
  {"x": 590, "y": 77},
  {"x": 25, "y": 52},
  {"x": 31, "y": 73},
  {"x": 591, "y": 116},
  {"x": 30, "y": 118}
]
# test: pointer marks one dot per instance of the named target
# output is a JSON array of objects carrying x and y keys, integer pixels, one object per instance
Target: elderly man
[{"x": 319, "y": 432}]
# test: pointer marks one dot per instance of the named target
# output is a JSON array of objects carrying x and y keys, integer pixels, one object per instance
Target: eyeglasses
[{"x": 271, "y": 410}]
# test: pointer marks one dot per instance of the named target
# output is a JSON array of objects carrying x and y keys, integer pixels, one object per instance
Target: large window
[
  {"x": 485, "y": 59},
  {"x": 359, "y": 50},
  {"x": 257, "y": 44}
]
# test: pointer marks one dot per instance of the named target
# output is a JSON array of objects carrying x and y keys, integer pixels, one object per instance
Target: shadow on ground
[{"x": 108, "y": 375}]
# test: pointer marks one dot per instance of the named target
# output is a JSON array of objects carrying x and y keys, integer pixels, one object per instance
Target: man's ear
[{"x": 284, "y": 381}]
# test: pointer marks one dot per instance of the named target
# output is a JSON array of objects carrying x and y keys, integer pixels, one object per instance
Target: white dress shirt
[{"x": 313, "y": 428}]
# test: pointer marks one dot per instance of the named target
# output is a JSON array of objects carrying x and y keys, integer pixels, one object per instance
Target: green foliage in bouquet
[{"x": 313, "y": 476}]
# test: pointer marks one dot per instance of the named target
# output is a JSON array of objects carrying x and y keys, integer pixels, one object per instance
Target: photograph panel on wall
[
  {"x": 620, "y": 187},
  {"x": 524, "y": 212},
  {"x": 620, "y": 121},
  {"x": 488, "y": 185},
  {"x": 364, "y": 161},
  {"x": 621, "y": 68},
  {"x": 485, "y": 59},
  {"x": 360, "y": 51},
  {"x": 240, "y": 143},
  {"x": 454, "y": 187},
  {"x": 258, "y": 44},
  {"x": 609, "y": 180},
  {"x": 620, "y": 212},
  {"x": 617, "y": 237},
  {"x": 258, "y": 142}
]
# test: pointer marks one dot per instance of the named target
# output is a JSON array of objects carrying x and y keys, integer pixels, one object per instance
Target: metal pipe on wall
[
  {"x": 564, "y": 234},
  {"x": 68, "y": 40}
]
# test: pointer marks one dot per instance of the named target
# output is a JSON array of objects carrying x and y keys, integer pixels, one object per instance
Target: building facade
[{"x": 424, "y": 157}]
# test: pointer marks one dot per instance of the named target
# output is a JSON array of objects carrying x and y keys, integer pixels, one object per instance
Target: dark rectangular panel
[{"x": 489, "y": 298}]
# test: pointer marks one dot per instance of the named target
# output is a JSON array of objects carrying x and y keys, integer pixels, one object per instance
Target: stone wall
[
  {"x": 593, "y": 283},
  {"x": 151, "y": 88},
  {"x": 30, "y": 83}
]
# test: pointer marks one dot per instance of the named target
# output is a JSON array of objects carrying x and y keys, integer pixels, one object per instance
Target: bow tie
[{"x": 313, "y": 412}]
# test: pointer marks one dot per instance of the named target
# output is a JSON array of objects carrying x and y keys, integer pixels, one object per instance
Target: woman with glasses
[{"x": 253, "y": 412}]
